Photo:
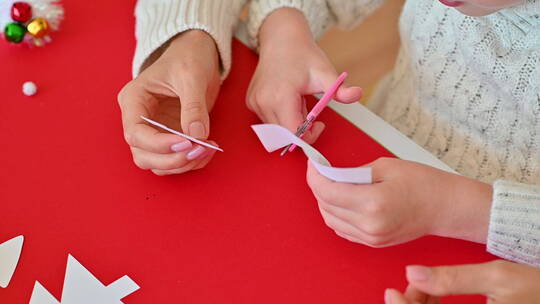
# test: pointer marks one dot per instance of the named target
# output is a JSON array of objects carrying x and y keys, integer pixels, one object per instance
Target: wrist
[
  {"x": 182, "y": 42},
  {"x": 198, "y": 42},
  {"x": 192, "y": 36},
  {"x": 192, "y": 44},
  {"x": 284, "y": 26},
  {"x": 466, "y": 210}
]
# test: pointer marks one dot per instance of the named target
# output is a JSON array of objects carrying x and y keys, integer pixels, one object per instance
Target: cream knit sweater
[{"x": 465, "y": 88}]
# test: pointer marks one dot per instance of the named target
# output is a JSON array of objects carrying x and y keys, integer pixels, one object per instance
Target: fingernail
[
  {"x": 387, "y": 299},
  {"x": 206, "y": 153},
  {"x": 195, "y": 153},
  {"x": 418, "y": 273},
  {"x": 209, "y": 152},
  {"x": 197, "y": 130},
  {"x": 182, "y": 146}
]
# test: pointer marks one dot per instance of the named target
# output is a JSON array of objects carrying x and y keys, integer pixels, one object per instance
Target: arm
[
  {"x": 408, "y": 200},
  {"x": 158, "y": 21}
]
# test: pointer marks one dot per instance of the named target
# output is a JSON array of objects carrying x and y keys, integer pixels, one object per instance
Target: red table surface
[{"x": 246, "y": 229}]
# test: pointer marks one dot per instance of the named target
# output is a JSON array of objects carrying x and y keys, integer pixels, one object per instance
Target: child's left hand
[
  {"x": 406, "y": 200},
  {"x": 500, "y": 281}
]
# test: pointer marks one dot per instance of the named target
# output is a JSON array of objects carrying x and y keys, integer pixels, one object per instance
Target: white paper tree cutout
[
  {"x": 81, "y": 287},
  {"x": 10, "y": 251}
]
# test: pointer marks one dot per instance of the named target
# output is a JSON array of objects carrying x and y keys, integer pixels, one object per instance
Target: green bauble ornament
[{"x": 14, "y": 32}]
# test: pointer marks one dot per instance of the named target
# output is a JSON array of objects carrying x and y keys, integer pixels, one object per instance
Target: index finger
[
  {"x": 455, "y": 280},
  {"x": 335, "y": 193}
]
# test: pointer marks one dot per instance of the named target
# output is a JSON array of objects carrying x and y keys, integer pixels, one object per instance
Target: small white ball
[{"x": 29, "y": 88}]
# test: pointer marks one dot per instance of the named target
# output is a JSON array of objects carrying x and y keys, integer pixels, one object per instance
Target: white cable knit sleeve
[
  {"x": 160, "y": 20},
  {"x": 320, "y": 14},
  {"x": 514, "y": 228}
]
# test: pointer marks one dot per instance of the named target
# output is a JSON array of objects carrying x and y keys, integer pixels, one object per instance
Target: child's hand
[
  {"x": 178, "y": 90},
  {"x": 291, "y": 65},
  {"x": 500, "y": 281},
  {"x": 406, "y": 200}
]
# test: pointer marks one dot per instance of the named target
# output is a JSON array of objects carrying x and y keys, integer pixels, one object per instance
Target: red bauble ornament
[{"x": 21, "y": 12}]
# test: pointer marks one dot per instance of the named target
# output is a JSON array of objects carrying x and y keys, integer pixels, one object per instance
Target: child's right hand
[
  {"x": 178, "y": 89},
  {"x": 291, "y": 65}
]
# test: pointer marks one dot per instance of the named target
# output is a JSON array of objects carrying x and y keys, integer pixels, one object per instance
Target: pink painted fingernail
[
  {"x": 195, "y": 153},
  {"x": 182, "y": 146},
  {"x": 207, "y": 153},
  {"x": 418, "y": 273}
]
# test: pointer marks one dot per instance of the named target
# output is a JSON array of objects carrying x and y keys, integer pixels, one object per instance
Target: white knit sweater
[{"x": 465, "y": 88}]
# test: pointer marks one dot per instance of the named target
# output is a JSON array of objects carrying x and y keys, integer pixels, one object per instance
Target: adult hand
[
  {"x": 178, "y": 89},
  {"x": 500, "y": 281}
]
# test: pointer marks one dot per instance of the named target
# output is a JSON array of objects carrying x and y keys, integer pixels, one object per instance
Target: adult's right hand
[{"x": 178, "y": 89}]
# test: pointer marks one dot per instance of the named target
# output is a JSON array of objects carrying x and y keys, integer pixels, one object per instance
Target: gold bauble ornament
[{"x": 38, "y": 27}]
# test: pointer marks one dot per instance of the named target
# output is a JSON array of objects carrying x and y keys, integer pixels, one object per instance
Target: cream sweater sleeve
[
  {"x": 160, "y": 20},
  {"x": 514, "y": 229},
  {"x": 321, "y": 14}
]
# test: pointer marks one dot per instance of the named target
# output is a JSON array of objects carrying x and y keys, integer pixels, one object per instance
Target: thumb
[
  {"x": 452, "y": 280},
  {"x": 345, "y": 93},
  {"x": 194, "y": 110}
]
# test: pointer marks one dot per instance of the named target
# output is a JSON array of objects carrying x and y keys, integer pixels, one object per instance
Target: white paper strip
[
  {"x": 10, "y": 251},
  {"x": 386, "y": 135},
  {"x": 164, "y": 127},
  {"x": 274, "y": 137},
  {"x": 81, "y": 287}
]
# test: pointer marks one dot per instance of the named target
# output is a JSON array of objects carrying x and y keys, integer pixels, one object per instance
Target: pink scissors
[{"x": 317, "y": 109}]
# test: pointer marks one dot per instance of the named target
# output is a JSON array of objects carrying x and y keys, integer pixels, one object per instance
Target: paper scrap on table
[
  {"x": 10, "y": 251},
  {"x": 164, "y": 127},
  {"x": 274, "y": 137},
  {"x": 81, "y": 287}
]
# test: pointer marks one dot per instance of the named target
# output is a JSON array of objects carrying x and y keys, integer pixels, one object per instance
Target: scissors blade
[{"x": 301, "y": 129}]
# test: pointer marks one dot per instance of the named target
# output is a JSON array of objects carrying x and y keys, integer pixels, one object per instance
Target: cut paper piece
[
  {"x": 81, "y": 287},
  {"x": 274, "y": 137},
  {"x": 164, "y": 127},
  {"x": 10, "y": 251}
]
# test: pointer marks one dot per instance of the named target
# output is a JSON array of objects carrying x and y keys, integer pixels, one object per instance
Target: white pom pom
[{"x": 29, "y": 88}]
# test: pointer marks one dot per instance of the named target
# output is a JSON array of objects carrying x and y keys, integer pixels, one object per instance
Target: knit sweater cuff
[
  {"x": 316, "y": 12},
  {"x": 514, "y": 229},
  {"x": 159, "y": 21}
]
